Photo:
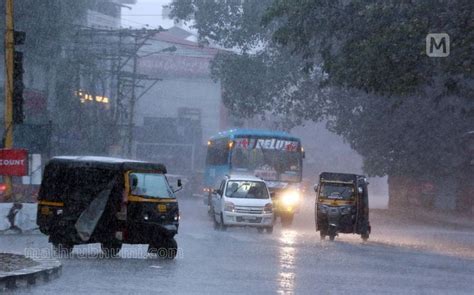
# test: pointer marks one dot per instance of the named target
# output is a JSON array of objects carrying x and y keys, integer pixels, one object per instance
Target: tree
[
  {"x": 257, "y": 74},
  {"x": 413, "y": 109},
  {"x": 360, "y": 64}
]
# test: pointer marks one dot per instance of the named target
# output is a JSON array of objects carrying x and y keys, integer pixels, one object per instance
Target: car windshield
[
  {"x": 152, "y": 185},
  {"x": 246, "y": 189},
  {"x": 337, "y": 191}
]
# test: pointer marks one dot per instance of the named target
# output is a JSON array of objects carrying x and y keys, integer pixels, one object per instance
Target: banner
[{"x": 13, "y": 162}]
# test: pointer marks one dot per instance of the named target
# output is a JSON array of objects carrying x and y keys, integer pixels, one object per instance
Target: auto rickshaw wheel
[
  {"x": 364, "y": 237},
  {"x": 167, "y": 249},
  {"x": 322, "y": 235},
  {"x": 332, "y": 237},
  {"x": 111, "y": 249},
  {"x": 63, "y": 249}
]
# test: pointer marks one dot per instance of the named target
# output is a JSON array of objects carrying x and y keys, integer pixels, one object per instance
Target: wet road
[{"x": 400, "y": 258}]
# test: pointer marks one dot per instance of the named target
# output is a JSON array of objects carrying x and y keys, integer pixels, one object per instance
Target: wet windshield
[
  {"x": 246, "y": 189},
  {"x": 150, "y": 185},
  {"x": 337, "y": 191},
  {"x": 269, "y": 162}
]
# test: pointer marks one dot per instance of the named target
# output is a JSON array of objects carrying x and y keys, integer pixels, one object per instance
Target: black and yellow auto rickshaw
[
  {"x": 342, "y": 205},
  {"x": 109, "y": 201}
]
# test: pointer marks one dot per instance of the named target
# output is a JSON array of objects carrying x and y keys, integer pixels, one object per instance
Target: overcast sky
[{"x": 146, "y": 12}]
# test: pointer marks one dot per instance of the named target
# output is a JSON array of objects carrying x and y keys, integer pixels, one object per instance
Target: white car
[{"x": 242, "y": 201}]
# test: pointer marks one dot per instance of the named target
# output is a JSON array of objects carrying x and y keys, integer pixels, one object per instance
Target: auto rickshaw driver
[{"x": 135, "y": 188}]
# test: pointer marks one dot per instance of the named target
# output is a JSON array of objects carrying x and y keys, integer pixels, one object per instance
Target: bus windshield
[{"x": 269, "y": 159}]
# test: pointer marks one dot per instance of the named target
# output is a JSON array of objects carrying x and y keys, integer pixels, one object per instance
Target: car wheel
[
  {"x": 260, "y": 229},
  {"x": 217, "y": 225},
  {"x": 269, "y": 229},
  {"x": 223, "y": 226}
]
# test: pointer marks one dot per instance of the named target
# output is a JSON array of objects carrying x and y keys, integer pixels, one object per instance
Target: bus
[{"x": 274, "y": 156}]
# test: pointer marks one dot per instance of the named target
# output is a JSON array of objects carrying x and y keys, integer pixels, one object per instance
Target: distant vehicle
[
  {"x": 274, "y": 156},
  {"x": 242, "y": 201},
  {"x": 342, "y": 205},
  {"x": 109, "y": 201}
]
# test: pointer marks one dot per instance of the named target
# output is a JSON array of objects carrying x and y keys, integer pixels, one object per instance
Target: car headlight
[
  {"x": 268, "y": 208},
  {"x": 290, "y": 198},
  {"x": 229, "y": 206}
]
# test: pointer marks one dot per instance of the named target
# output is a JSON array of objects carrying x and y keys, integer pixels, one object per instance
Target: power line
[{"x": 143, "y": 14}]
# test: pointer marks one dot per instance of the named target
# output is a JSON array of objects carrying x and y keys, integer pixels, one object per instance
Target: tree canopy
[{"x": 361, "y": 65}]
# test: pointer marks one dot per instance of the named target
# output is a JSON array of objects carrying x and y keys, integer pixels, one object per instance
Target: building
[{"x": 175, "y": 118}]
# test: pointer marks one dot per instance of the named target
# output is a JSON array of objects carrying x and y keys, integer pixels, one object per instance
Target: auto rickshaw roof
[
  {"x": 106, "y": 163},
  {"x": 340, "y": 177}
]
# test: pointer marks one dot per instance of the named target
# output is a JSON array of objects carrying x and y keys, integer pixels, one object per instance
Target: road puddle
[{"x": 287, "y": 259}]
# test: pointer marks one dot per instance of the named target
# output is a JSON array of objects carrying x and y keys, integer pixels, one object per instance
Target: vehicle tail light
[{"x": 3, "y": 187}]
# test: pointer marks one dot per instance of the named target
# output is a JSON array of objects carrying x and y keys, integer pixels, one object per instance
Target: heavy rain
[{"x": 235, "y": 147}]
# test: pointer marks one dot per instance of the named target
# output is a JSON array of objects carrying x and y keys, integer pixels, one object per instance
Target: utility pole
[
  {"x": 132, "y": 100},
  {"x": 9, "y": 57}
]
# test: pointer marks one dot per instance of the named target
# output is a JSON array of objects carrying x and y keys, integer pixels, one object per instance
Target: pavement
[
  {"x": 401, "y": 257},
  {"x": 11, "y": 262},
  {"x": 25, "y": 219},
  {"x": 17, "y": 271}
]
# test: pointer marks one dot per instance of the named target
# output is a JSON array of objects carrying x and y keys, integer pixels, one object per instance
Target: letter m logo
[{"x": 437, "y": 45}]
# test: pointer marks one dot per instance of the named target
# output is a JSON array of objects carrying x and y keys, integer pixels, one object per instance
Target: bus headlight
[{"x": 290, "y": 198}]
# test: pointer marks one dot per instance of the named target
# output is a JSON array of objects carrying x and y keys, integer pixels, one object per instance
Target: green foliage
[
  {"x": 254, "y": 84},
  {"x": 360, "y": 64},
  {"x": 231, "y": 23},
  {"x": 377, "y": 46}
]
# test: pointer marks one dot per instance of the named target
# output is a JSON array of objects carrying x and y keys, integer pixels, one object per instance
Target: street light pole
[{"x": 9, "y": 56}]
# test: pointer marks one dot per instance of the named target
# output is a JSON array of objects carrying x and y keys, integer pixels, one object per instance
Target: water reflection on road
[{"x": 287, "y": 259}]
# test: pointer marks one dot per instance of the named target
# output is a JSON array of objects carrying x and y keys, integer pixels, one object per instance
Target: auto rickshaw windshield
[
  {"x": 342, "y": 191},
  {"x": 152, "y": 185}
]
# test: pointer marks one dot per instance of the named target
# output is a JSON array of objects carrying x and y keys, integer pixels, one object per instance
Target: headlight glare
[{"x": 290, "y": 198}]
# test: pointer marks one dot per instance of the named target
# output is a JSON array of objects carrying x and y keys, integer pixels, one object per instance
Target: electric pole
[
  {"x": 132, "y": 101},
  {"x": 9, "y": 64}
]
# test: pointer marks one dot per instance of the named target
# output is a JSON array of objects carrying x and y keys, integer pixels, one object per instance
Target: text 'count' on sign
[{"x": 13, "y": 162}]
